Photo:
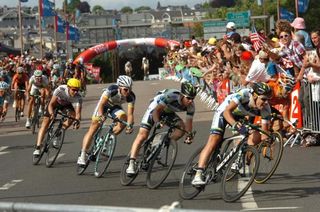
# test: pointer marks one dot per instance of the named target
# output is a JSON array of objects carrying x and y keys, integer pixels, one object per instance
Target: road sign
[
  {"x": 241, "y": 19},
  {"x": 214, "y": 28}
]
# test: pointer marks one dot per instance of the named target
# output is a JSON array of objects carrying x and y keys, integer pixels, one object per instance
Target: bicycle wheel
[
  {"x": 17, "y": 114},
  {"x": 35, "y": 117},
  {"x": 104, "y": 156},
  {"x": 55, "y": 145},
  {"x": 186, "y": 189},
  {"x": 162, "y": 163},
  {"x": 236, "y": 180},
  {"x": 270, "y": 155},
  {"x": 43, "y": 149}
]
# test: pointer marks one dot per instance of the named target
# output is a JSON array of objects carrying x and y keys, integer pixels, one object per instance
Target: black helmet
[
  {"x": 262, "y": 88},
  {"x": 188, "y": 90}
]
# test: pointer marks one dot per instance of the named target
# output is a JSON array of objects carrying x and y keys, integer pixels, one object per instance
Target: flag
[
  {"x": 73, "y": 33},
  {"x": 256, "y": 39},
  {"x": 46, "y": 8},
  {"x": 285, "y": 14},
  {"x": 60, "y": 23},
  {"x": 303, "y": 6}
]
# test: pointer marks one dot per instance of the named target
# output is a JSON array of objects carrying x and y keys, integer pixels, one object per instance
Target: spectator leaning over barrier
[
  {"x": 257, "y": 71},
  {"x": 301, "y": 35}
]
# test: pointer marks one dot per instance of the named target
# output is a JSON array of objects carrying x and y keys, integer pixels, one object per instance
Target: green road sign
[{"x": 241, "y": 19}]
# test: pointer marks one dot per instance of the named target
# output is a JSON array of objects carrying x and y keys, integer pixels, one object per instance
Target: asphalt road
[{"x": 294, "y": 187}]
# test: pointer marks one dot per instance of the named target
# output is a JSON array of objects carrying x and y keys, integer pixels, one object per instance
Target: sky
[{"x": 113, "y": 4}]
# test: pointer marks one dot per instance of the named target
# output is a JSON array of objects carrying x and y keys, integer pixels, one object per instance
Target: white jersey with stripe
[
  {"x": 64, "y": 98},
  {"x": 39, "y": 84}
]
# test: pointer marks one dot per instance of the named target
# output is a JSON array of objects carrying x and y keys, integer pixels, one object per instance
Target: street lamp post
[{"x": 20, "y": 27}]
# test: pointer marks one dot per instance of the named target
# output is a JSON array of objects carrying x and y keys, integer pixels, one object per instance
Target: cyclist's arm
[
  {"x": 103, "y": 102},
  {"x": 157, "y": 111},
  {"x": 264, "y": 127},
  {"x": 189, "y": 125},
  {"x": 78, "y": 112},
  {"x": 228, "y": 113},
  {"x": 130, "y": 114}
]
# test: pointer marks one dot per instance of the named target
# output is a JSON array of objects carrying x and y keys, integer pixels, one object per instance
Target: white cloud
[{"x": 114, "y": 4}]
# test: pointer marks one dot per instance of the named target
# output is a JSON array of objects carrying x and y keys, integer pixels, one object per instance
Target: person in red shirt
[{"x": 19, "y": 82}]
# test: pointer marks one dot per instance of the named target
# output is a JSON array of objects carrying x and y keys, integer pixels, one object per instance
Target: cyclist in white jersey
[
  {"x": 4, "y": 99},
  {"x": 38, "y": 85},
  {"x": 166, "y": 103},
  {"x": 250, "y": 102},
  {"x": 64, "y": 98},
  {"x": 110, "y": 101}
]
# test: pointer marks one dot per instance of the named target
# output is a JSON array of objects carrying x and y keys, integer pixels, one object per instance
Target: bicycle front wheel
[
  {"x": 239, "y": 174},
  {"x": 35, "y": 118},
  {"x": 43, "y": 149},
  {"x": 54, "y": 147},
  {"x": 186, "y": 189},
  {"x": 104, "y": 156},
  {"x": 270, "y": 155},
  {"x": 161, "y": 164}
]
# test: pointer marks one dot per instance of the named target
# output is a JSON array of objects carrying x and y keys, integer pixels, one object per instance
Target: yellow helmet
[
  {"x": 74, "y": 83},
  {"x": 212, "y": 41}
]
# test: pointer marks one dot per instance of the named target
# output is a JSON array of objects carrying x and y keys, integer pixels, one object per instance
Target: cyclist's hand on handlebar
[
  {"x": 129, "y": 129},
  {"x": 242, "y": 129},
  {"x": 76, "y": 124},
  {"x": 189, "y": 138}
]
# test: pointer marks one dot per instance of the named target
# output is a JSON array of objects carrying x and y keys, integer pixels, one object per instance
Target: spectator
[{"x": 301, "y": 35}]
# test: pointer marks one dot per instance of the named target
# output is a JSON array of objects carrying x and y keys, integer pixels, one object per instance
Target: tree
[
  {"x": 84, "y": 7},
  {"x": 222, "y": 3},
  {"x": 142, "y": 8},
  {"x": 97, "y": 9},
  {"x": 198, "y": 30},
  {"x": 126, "y": 10}
]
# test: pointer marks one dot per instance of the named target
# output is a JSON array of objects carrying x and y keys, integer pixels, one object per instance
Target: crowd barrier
[{"x": 311, "y": 112}]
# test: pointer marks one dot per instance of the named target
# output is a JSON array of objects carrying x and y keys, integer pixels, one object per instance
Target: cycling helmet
[
  {"x": 124, "y": 81},
  {"x": 37, "y": 73},
  {"x": 19, "y": 70},
  {"x": 188, "y": 90},
  {"x": 74, "y": 83},
  {"x": 3, "y": 85},
  {"x": 262, "y": 88}
]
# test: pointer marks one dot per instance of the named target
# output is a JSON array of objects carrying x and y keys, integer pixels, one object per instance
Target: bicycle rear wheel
[
  {"x": 270, "y": 155},
  {"x": 55, "y": 145},
  {"x": 104, "y": 156},
  {"x": 186, "y": 189},
  {"x": 162, "y": 163},
  {"x": 236, "y": 181}
]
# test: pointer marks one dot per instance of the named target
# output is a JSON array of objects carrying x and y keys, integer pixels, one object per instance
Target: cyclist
[
  {"x": 165, "y": 103},
  {"x": 38, "y": 84},
  {"x": 246, "y": 102},
  {"x": 111, "y": 99},
  {"x": 55, "y": 76},
  {"x": 19, "y": 82},
  {"x": 4, "y": 99},
  {"x": 65, "y": 98}
]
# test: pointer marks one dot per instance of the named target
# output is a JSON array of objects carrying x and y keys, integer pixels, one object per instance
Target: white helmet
[
  {"x": 231, "y": 25},
  {"x": 124, "y": 81}
]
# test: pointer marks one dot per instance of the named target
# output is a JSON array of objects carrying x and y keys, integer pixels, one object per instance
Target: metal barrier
[{"x": 311, "y": 107}]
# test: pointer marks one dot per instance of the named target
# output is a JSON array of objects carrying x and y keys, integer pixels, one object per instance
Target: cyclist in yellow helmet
[{"x": 64, "y": 97}]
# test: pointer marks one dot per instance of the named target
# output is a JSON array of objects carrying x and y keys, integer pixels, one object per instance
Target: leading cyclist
[
  {"x": 250, "y": 102},
  {"x": 166, "y": 103},
  {"x": 110, "y": 101}
]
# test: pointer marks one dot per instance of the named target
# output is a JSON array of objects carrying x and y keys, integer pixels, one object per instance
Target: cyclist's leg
[
  {"x": 30, "y": 108},
  {"x": 42, "y": 131}
]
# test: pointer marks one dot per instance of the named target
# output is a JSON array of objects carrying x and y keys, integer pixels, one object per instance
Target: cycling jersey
[
  {"x": 64, "y": 98},
  {"x": 115, "y": 100},
  {"x": 246, "y": 107},
  {"x": 20, "y": 80},
  {"x": 43, "y": 83},
  {"x": 171, "y": 99},
  {"x": 4, "y": 99}
]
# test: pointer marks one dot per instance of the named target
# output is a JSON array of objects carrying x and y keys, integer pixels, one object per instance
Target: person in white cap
[
  {"x": 231, "y": 29},
  {"x": 303, "y": 36}
]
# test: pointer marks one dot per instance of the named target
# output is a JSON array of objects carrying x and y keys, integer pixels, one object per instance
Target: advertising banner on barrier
[{"x": 295, "y": 109}]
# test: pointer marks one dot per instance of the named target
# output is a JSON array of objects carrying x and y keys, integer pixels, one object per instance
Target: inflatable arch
[{"x": 90, "y": 53}]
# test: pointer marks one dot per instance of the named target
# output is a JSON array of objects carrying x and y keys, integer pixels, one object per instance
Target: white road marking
[
  {"x": 10, "y": 184},
  {"x": 3, "y": 148},
  {"x": 271, "y": 209}
]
